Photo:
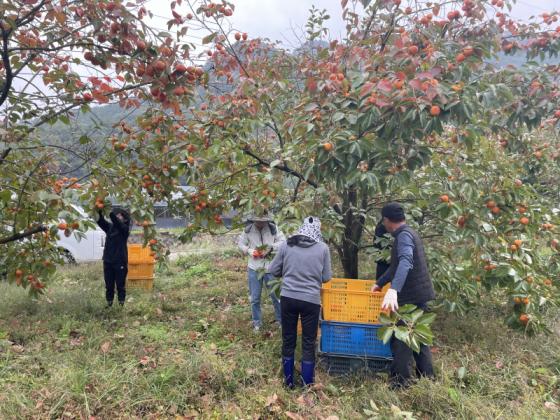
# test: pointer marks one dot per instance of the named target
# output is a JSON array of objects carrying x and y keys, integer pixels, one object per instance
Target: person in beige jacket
[{"x": 259, "y": 240}]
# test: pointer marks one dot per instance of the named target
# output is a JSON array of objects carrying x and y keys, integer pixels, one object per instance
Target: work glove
[{"x": 390, "y": 301}]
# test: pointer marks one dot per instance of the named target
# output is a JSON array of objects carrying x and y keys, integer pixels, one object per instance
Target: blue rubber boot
[
  {"x": 288, "y": 365},
  {"x": 307, "y": 372}
]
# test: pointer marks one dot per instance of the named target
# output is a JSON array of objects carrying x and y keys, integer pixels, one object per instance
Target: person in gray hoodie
[{"x": 304, "y": 262}]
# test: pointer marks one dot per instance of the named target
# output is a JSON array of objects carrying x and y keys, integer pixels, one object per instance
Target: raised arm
[{"x": 102, "y": 223}]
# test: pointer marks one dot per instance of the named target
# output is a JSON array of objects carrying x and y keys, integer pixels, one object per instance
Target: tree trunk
[{"x": 353, "y": 229}]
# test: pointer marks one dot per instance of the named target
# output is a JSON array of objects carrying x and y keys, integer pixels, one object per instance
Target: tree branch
[
  {"x": 6, "y": 61},
  {"x": 24, "y": 20},
  {"x": 294, "y": 198},
  {"x": 283, "y": 168},
  {"x": 24, "y": 234},
  {"x": 5, "y": 154}
]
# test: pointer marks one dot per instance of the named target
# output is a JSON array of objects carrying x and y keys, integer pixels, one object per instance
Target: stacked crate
[
  {"x": 349, "y": 326},
  {"x": 141, "y": 263}
]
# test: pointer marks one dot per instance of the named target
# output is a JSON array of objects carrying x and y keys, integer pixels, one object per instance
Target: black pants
[
  {"x": 402, "y": 358},
  {"x": 292, "y": 309},
  {"x": 115, "y": 274}
]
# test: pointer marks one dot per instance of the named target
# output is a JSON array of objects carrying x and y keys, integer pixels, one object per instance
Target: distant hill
[{"x": 520, "y": 58}]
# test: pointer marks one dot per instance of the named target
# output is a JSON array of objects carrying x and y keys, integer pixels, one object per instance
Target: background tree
[{"x": 58, "y": 60}]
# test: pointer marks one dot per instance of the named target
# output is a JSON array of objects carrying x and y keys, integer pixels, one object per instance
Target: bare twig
[{"x": 283, "y": 168}]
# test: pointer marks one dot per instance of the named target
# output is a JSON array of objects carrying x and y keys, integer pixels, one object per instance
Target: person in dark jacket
[
  {"x": 410, "y": 284},
  {"x": 382, "y": 264},
  {"x": 115, "y": 254},
  {"x": 304, "y": 262}
]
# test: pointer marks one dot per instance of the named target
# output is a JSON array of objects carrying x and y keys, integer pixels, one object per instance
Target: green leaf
[
  {"x": 416, "y": 315},
  {"x": 453, "y": 394},
  {"x": 386, "y": 319},
  {"x": 5, "y": 195},
  {"x": 402, "y": 333},
  {"x": 487, "y": 227},
  {"x": 424, "y": 333},
  {"x": 337, "y": 116},
  {"x": 385, "y": 334},
  {"x": 209, "y": 38},
  {"x": 414, "y": 345},
  {"x": 311, "y": 107},
  {"x": 461, "y": 373},
  {"x": 407, "y": 309},
  {"x": 426, "y": 319}
]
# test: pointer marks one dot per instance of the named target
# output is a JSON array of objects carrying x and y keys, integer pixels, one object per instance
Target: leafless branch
[{"x": 283, "y": 167}]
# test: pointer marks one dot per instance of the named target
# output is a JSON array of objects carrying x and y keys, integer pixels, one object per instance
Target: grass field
[{"x": 186, "y": 350}]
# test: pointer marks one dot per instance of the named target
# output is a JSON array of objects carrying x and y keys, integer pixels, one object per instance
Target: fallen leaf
[
  {"x": 17, "y": 348},
  {"x": 293, "y": 416},
  {"x": 76, "y": 341},
  {"x": 271, "y": 401},
  {"x": 318, "y": 386},
  {"x": 549, "y": 405},
  {"x": 159, "y": 312},
  {"x": 105, "y": 347}
]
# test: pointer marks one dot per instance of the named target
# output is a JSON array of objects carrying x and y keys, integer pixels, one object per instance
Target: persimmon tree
[
  {"x": 59, "y": 59},
  {"x": 407, "y": 106}
]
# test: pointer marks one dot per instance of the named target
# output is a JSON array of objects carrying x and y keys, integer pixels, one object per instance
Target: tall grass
[{"x": 187, "y": 349}]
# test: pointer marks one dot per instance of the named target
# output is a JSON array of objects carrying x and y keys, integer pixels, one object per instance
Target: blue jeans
[{"x": 255, "y": 291}]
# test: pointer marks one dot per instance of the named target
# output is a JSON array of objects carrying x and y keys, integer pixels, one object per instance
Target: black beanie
[{"x": 393, "y": 211}]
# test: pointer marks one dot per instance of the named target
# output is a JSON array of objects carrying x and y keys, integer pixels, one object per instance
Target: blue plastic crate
[
  {"x": 353, "y": 339},
  {"x": 352, "y": 365}
]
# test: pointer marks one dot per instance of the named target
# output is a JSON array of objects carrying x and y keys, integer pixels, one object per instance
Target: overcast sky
[{"x": 285, "y": 20}]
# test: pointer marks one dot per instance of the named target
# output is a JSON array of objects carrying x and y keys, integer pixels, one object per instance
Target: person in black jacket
[{"x": 115, "y": 254}]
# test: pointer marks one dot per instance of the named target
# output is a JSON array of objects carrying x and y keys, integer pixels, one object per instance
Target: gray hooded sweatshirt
[{"x": 304, "y": 267}]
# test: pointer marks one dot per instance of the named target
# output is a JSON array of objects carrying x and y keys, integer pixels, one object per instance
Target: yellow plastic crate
[
  {"x": 138, "y": 254},
  {"x": 350, "y": 300},
  {"x": 140, "y": 271},
  {"x": 146, "y": 284}
]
